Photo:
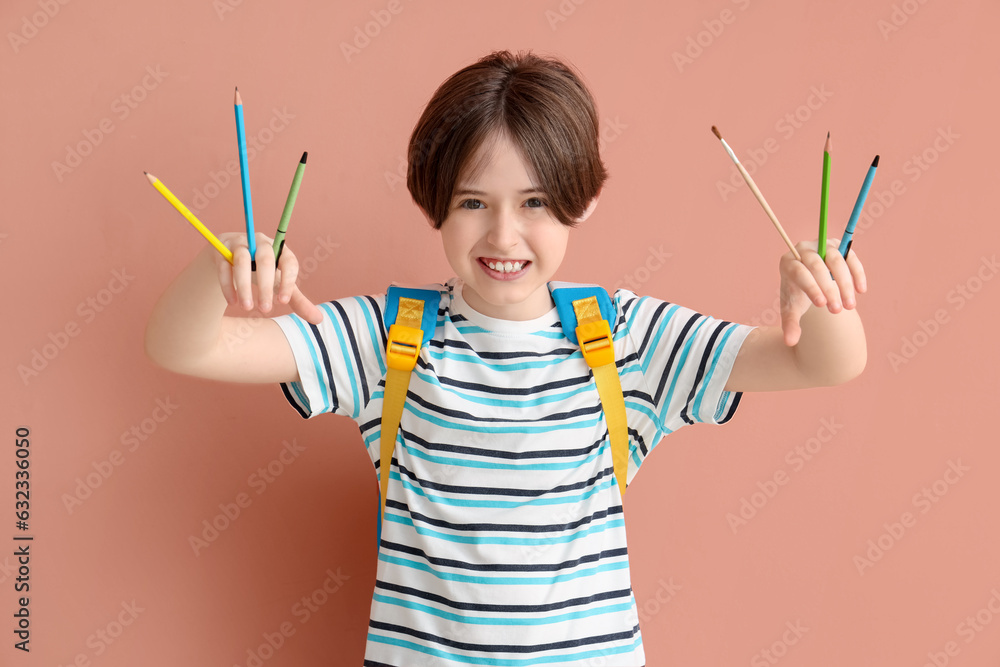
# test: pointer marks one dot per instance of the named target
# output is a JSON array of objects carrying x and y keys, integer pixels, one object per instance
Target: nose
[{"x": 503, "y": 232}]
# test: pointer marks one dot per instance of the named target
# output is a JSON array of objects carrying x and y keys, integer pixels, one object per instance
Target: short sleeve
[
  {"x": 340, "y": 361},
  {"x": 685, "y": 358}
]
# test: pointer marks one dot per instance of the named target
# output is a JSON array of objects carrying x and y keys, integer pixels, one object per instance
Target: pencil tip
[
  {"x": 716, "y": 132},
  {"x": 875, "y": 161},
  {"x": 304, "y": 156},
  {"x": 829, "y": 145}
]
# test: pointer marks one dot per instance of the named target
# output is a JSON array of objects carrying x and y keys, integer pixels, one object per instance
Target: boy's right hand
[{"x": 257, "y": 289}]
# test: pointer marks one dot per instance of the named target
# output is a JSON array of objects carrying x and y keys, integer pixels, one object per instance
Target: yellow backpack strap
[
  {"x": 594, "y": 334},
  {"x": 411, "y": 315},
  {"x": 591, "y": 309}
]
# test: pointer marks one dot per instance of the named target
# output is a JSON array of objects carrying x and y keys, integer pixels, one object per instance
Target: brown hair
[{"x": 539, "y": 103}]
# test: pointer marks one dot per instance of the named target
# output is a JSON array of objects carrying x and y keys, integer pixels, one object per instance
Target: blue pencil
[
  {"x": 845, "y": 243},
  {"x": 241, "y": 139}
]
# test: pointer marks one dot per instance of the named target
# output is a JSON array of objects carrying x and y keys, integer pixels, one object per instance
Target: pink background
[{"x": 905, "y": 80}]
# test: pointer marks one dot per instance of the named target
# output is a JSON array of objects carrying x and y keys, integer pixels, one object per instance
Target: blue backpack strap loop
[
  {"x": 564, "y": 294},
  {"x": 431, "y": 299}
]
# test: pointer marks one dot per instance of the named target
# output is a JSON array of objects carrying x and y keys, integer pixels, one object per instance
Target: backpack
[{"x": 586, "y": 313}]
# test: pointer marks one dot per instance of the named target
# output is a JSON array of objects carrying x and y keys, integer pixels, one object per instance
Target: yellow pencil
[{"x": 190, "y": 217}]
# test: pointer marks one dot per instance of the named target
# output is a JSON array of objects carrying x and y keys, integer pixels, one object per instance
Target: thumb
[
  {"x": 305, "y": 308},
  {"x": 790, "y": 327}
]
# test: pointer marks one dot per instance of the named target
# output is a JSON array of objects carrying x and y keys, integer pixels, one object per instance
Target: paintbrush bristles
[{"x": 729, "y": 150}]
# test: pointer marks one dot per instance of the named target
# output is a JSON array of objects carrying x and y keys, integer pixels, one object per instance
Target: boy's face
[{"x": 500, "y": 238}]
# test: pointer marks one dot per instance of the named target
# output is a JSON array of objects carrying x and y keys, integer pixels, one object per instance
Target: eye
[
  {"x": 536, "y": 202},
  {"x": 478, "y": 204}
]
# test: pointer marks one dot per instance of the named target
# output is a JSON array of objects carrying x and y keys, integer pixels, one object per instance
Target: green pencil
[
  {"x": 823, "y": 199},
  {"x": 286, "y": 215}
]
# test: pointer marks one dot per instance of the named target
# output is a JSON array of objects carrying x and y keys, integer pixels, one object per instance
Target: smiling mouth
[
  {"x": 503, "y": 269},
  {"x": 504, "y": 265}
]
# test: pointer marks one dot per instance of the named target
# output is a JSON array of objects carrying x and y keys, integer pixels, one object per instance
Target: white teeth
[{"x": 506, "y": 267}]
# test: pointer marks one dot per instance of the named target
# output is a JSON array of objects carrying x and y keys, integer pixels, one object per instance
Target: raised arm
[{"x": 188, "y": 332}]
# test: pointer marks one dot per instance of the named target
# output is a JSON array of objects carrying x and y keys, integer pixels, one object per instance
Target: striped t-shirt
[{"x": 504, "y": 540}]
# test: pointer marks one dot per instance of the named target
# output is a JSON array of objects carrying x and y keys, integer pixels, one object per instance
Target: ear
[{"x": 590, "y": 208}]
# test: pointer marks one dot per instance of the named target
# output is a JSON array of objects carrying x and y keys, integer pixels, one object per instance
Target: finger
[
  {"x": 225, "y": 271},
  {"x": 242, "y": 277},
  {"x": 305, "y": 308},
  {"x": 265, "y": 273},
  {"x": 841, "y": 276},
  {"x": 821, "y": 274},
  {"x": 790, "y": 328},
  {"x": 857, "y": 271},
  {"x": 802, "y": 276},
  {"x": 288, "y": 265}
]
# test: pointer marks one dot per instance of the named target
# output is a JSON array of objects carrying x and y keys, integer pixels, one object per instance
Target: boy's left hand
[{"x": 808, "y": 283}]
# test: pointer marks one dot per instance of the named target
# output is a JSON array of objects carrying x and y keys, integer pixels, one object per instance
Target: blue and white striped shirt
[{"x": 504, "y": 539}]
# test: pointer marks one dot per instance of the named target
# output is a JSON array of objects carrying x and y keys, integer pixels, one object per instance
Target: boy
[{"x": 503, "y": 541}]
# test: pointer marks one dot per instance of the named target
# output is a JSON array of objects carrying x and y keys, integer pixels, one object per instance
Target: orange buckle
[
  {"x": 595, "y": 343},
  {"x": 403, "y": 347}
]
